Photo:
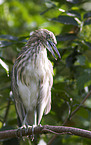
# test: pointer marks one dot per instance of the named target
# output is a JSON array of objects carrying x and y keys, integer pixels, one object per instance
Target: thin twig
[
  {"x": 86, "y": 97},
  {"x": 7, "y": 111},
  {"x": 70, "y": 117}
]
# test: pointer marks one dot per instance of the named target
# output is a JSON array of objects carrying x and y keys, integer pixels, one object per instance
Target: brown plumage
[{"x": 32, "y": 78}]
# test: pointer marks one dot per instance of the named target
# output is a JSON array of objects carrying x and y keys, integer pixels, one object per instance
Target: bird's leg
[
  {"x": 35, "y": 118},
  {"x": 24, "y": 126},
  {"x": 35, "y": 124}
]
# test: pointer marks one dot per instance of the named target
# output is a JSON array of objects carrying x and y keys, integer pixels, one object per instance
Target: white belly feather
[{"x": 42, "y": 70}]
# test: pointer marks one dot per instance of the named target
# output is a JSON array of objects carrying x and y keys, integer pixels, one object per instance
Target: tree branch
[{"x": 45, "y": 129}]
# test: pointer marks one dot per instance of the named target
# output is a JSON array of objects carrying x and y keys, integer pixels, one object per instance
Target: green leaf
[
  {"x": 66, "y": 37},
  {"x": 87, "y": 22},
  {"x": 5, "y": 66},
  {"x": 73, "y": 1},
  {"x": 81, "y": 59},
  {"x": 66, "y": 20},
  {"x": 9, "y": 37},
  {"x": 83, "y": 79},
  {"x": 73, "y": 13},
  {"x": 87, "y": 15},
  {"x": 88, "y": 44},
  {"x": 5, "y": 43}
]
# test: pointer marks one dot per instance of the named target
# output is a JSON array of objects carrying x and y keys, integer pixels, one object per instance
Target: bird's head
[{"x": 46, "y": 38}]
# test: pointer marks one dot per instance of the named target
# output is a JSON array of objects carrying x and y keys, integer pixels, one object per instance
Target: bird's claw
[
  {"x": 19, "y": 130},
  {"x": 32, "y": 136}
]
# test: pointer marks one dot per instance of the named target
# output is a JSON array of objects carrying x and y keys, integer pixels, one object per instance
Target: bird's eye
[{"x": 51, "y": 39}]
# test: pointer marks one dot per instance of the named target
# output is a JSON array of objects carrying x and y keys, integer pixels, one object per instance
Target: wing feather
[
  {"x": 44, "y": 100},
  {"x": 21, "y": 111}
]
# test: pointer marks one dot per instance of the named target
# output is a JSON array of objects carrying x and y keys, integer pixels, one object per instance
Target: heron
[{"x": 32, "y": 77}]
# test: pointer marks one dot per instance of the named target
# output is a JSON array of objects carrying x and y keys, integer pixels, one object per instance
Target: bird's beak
[{"x": 51, "y": 45}]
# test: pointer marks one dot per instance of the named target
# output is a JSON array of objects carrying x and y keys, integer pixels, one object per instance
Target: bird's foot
[
  {"x": 32, "y": 136},
  {"x": 26, "y": 127},
  {"x": 40, "y": 125},
  {"x": 19, "y": 130}
]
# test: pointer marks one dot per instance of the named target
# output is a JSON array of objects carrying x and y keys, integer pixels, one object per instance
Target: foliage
[{"x": 70, "y": 20}]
